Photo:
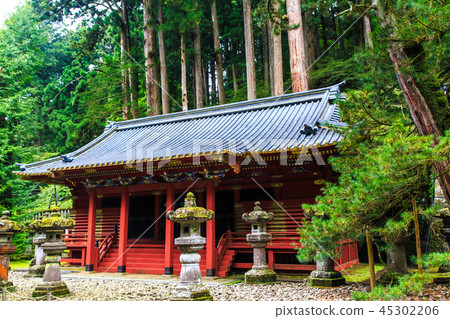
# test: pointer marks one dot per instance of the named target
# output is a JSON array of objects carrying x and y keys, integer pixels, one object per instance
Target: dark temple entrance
[{"x": 141, "y": 217}]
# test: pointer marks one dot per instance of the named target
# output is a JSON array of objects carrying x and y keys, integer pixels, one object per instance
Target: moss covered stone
[
  {"x": 260, "y": 276},
  {"x": 326, "y": 279},
  {"x": 57, "y": 289}
]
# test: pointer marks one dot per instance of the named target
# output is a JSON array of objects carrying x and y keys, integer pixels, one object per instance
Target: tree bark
[
  {"x": 427, "y": 104},
  {"x": 134, "y": 84},
  {"x": 371, "y": 259},
  {"x": 212, "y": 67},
  {"x": 184, "y": 100},
  {"x": 198, "y": 66},
  {"x": 307, "y": 29},
  {"x": 218, "y": 52},
  {"x": 297, "y": 54},
  {"x": 265, "y": 55},
  {"x": 249, "y": 50},
  {"x": 420, "y": 111},
  {"x": 124, "y": 55},
  {"x": 367, "y": 31},
  {"x": 271, "y": 58},
  {"x": 163, "y": 64},
  {"x": 341, "y": 40},
  {"x": 151, "y": 74},
  {"x": 277, "y": 56},
  {"x": 205, "y": 82},
  {"x": 324, "y": 32}
]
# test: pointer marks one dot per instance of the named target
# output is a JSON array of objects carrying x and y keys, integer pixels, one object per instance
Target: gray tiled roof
[{"x": 263, "y": 125}]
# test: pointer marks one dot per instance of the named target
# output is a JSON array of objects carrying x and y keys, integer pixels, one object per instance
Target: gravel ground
[{"x": 100, "y": 289}]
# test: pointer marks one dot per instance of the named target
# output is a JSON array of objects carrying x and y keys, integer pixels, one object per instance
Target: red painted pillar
[
  {"x": 123, "y": 230},
  {"x": 211, "y": 257},
  {"x": 169, "y": 246},
  {"x": 90, "y": 249}
]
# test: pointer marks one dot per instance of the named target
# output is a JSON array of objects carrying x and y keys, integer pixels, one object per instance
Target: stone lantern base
[
  {"x": 8, "y": 285},
  {"x": 36, "y": 271},
  {"x": 320, "y": 278},
  {"x": 191, "y": 293},
  {"x": 56, "y": 288},
  {"x": 260, "y": 276},
  {"x": 325, "y": 275}
]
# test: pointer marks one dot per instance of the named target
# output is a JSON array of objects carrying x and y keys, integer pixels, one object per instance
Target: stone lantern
[
  {"x": 53, "y": 226},
  {"x": 190, "y": 243},
  {"x": 260, "y": 272},
  {"x": 37, "y": 264},
  {"x": 7, "y": 230}
]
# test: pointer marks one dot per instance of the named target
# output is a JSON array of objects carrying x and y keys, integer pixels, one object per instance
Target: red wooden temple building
[{"x": 273, "y": 150}]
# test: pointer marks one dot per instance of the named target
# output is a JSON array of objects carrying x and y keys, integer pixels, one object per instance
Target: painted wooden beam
[
  {"x": 123, "y": 230},
  {"x": 169, "y": 244},
  {"x": 90, "y": 249},
  {"x": 211, "y": 256}
]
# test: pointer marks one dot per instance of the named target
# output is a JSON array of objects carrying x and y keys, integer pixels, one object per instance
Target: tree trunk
[
  {"x": 205, "y": 82},
  {"x": 194, "y": 86},
  {"x": 163, "y": 64},
  {"x": 212, "y": 67},
  {"x": 371, "y": 259},
  {"x": 297, "y": 54},
  {"x": 307, "y": 29},
  {"x": 341, "y": 40},
  {"x": 249, "y": 50},
  {"x": 422, "y": 115},
  {"x": 277, "y": 56},
  {"x": 134, "y": 84},
  {"x": 324, "y": 32},
  {"x": 151, "y": 74},
  {"x": 265, "y": 55},
  {"x": 125, "y": 78},
  {"x": 271, "y": 58},
  {"x": 184, "y": 100},
  {"x": 317, "y": 40},
  {"x": 367, "y": 31},
  {"x": 219, "y": 66},
  {"x": 198, "y": 67},
  {"x": 124, "y": 54},
  {"x": 426, "y": 101}
]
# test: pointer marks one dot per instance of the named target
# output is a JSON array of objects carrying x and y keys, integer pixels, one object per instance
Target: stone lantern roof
[
  {"x": 54, "y": 221},
  {"x": 9, "y": 226},
  {"x": 257, "y": 215},
  {"x": 190, "y": 211}
]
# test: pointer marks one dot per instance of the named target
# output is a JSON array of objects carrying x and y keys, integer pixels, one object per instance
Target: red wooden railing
[
  {"x": 106, "y": 244},
  {"x": 222, "y": 246}
]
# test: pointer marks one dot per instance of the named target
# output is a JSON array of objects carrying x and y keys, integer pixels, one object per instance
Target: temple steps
[
  {"x": 225, "y": 265},
  {"x": 145, "y": 260}
]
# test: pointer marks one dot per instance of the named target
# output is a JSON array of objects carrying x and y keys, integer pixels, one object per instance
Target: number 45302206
[{"x": 409, "y": 310}]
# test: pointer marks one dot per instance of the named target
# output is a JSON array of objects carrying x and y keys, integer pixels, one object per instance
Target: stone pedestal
[
  {"x": 7, "y": 230},
  {"x": 5, "y": 251},
  {"x": 54, "y": 226},
  {"x": 52, "y": 275},
  {"x": 325, "y": 275},
  {"x": 190, "y": 242},
  {"x": 190, "y": 285},
  {"x": 37, "y": 268},
  {"x": 260, "y": 272}
]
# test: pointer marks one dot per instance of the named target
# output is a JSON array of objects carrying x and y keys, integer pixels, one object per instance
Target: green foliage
[
  {"x": 433, "y": 260},
  {"x": 407, "y": 284}
]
